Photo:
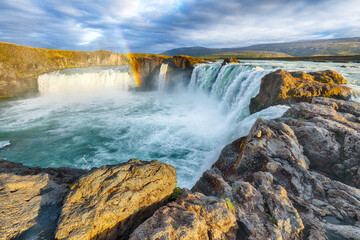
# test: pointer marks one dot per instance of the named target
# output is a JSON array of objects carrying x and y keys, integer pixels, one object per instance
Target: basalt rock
[
  {"x": 295, "y": 177},
  {"x": 31, "y": 199},
  {"x": 180, "y": 69},
  {"x": 109, "y": 202},
  {"x": 230, "y": 60},
  {"x": 192, "y": 216},
  {"x": 282, "y": 87}
]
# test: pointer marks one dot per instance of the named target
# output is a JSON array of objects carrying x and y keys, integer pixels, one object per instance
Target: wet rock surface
[
  {"x": 109, "y": 202},
  {"x": 296, "y": 177},
  {"x": 283, "y": 87}
]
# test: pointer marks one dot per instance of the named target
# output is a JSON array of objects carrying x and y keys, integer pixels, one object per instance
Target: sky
[{"x": 156, "y": 26}]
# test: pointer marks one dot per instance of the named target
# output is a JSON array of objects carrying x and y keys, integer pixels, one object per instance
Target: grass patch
[
  {"x": 268, "y": 212},
  {"x": 230, "y": 205},
  {"x": 176, "y": 193}
]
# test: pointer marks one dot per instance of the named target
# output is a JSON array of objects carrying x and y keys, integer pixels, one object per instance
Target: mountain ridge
[{"x": 324, "y": 47}]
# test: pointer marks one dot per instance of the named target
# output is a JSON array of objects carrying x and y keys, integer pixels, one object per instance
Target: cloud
[
  {"x": 88, "y": 35},
  {"x": 155, "y": 26}
]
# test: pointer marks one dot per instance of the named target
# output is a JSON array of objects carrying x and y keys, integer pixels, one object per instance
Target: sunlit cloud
[{"x": 89, "y": 35}]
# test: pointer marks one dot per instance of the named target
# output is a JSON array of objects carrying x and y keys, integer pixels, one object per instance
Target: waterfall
[
  {"x": 204, "y": 76},
  {"x": 162, "y": 77},
  {"x": 84, "y": 80},
  {"x": 233, "y": 85}
]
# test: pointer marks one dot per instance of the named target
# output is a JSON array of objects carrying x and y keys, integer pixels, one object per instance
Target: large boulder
[
  {"x": 31, "y": 199},
  {"x": 295, "y": 177},
  {"x": 109, "y": 202},
  {"x": 283, "y": 87},
  {"x": 192, "y": 216}
]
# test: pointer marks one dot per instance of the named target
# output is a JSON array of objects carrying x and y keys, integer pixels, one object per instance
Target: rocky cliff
[{"x": 283, "y": 87}]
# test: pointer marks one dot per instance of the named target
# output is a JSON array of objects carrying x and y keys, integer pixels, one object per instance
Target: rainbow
[{"x": 131, "y": 57}]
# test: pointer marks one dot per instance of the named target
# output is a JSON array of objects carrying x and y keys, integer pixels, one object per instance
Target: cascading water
[
  {"x": 232, "y": 85},
  {"x": 162, "y": 77},
  {"x": 185, "y": 128},
  {"x": 84, "y": 80},
  {"x": 204, "y": 75}
]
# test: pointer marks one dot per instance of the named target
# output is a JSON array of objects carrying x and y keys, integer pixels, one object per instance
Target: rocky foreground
[{"x": 295, "y": 177}]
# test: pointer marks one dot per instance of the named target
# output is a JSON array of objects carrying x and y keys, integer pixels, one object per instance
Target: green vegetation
[
  {"x": 230, "y": 205},
  {"x": 268, "y": 212},
  {"x": 176, "y": 193}
]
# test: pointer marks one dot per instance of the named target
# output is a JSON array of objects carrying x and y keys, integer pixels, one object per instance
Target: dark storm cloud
[{"x": 155, "y": 26}]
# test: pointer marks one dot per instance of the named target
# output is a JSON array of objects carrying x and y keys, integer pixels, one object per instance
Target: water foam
[{"x": 3, "y": 144}]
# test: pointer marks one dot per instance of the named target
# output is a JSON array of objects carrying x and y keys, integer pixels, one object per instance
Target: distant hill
[
  {"x": 324, "y": 47},
  {"x": 250, "y": 53}
]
